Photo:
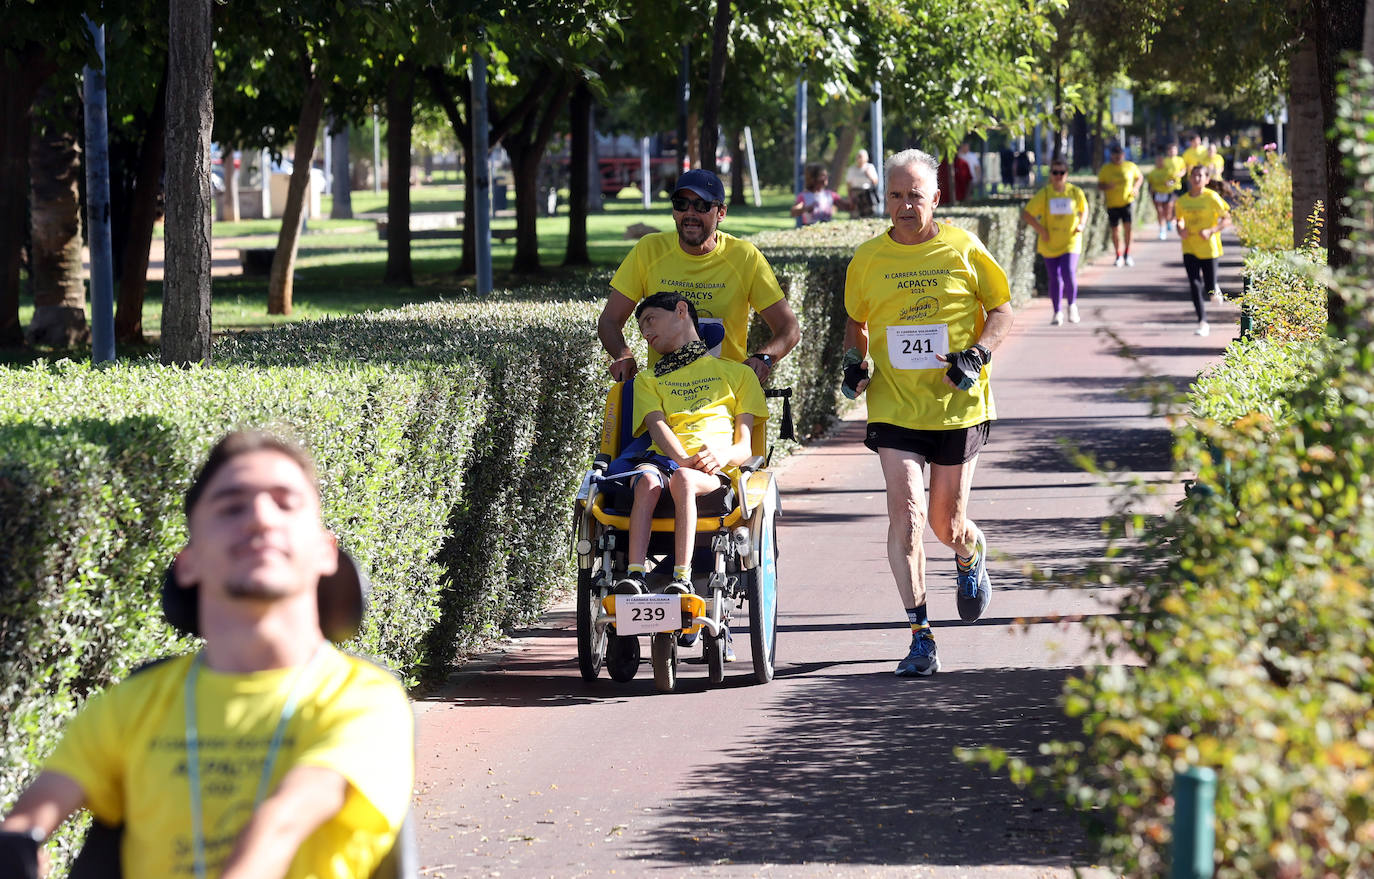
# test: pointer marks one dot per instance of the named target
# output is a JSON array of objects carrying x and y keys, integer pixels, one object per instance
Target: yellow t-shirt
[
  {"x": 127, "y": 751},
  {"x": 1161, "y": 180},
  {"x": 1194, "y": 156},
  {"x": 1059, "y": 213},
  {"x": 1218, "y": 165},
  {"x": 700, "y": 401},
  {"x": 1198, "y": 212},
  {"x": 723, "y": 284},
  {"x": 1124, "y": 177},
  {"x": 919, "y": 300},
  {"x": 1177, "y": 167}
]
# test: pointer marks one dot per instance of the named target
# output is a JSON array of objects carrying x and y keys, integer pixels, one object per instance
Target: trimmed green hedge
[{"x": 1284, "y": 296}]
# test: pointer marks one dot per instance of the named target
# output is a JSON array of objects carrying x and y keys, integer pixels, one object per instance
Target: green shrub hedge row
[{"x": 1284, "y": 295}]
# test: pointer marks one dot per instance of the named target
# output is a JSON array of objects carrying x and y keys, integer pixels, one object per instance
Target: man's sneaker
[
  {"x": 630, "y": 584},
  {"x": 1058, "y": 318},
  {"x": 1163, "y": 234},
  {"x": 1202, "y": 329},
  {"x": 1073, "y": 314},
  {"x": 1120, "y": 261},
  {"x": 923, "y": 659},
  {"x": 973, "y": 588},
  {"x": 1129, "y": 260}
]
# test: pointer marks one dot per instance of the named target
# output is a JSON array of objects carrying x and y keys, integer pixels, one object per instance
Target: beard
[{"x": 694, "y": 235}]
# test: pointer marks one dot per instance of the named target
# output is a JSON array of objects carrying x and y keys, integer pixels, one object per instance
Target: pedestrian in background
[
  {"x": 1120, "y": 181},
  {"x": 861, "y": 179},
  {"x": 1162, "y": 185},
  {"x": 1058, "y": 213},
  {"x": 1202, "y": 214},
  {"x": 817, "y": 202}
]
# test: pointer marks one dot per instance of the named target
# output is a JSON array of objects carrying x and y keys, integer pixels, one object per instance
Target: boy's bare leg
[
  {"x": 686, "y": 486},
  {"x": 648, "y": 488}
]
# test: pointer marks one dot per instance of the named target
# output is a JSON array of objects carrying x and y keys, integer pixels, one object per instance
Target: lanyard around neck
[{"x": 193, "y": 748}]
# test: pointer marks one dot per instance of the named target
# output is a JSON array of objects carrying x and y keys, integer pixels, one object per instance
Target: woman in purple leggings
[{"x": 1058, "y": 213}]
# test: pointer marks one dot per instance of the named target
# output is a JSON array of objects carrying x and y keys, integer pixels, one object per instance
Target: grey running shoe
[
  {"x": 923, "y": 660},
  {"x": 630, "y": 584},
  {"x": 973, "y": 588}
]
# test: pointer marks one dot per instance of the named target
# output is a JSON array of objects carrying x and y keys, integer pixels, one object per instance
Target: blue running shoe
[
  {"x": 973, "y": 588},
  {"x": 923, "y": 660}
]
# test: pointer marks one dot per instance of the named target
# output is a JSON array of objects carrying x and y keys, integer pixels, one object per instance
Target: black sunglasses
[
  {"x": 1059, "y": 171},
  {"x": 681, "y": 203}
]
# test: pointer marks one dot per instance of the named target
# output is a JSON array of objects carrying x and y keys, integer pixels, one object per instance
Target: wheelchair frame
[{"x": 743, "y": 545}]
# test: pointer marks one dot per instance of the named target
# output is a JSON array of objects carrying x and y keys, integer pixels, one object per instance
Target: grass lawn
[{"x": 340, "y": 263}]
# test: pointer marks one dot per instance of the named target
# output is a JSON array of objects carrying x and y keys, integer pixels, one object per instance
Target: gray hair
[{"x": 914, "y": 160}]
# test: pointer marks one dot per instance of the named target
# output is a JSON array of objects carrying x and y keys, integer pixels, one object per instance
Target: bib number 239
[{"x": 915, "y": 347}]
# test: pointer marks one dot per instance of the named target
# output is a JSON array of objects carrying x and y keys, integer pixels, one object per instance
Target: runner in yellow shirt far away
[
  {"x": 1163, "y": 182},
  {"x": 1120, "y": 180},
  {"x": 1058, "y": 213},
  {"x": 1202, "y": 214}
]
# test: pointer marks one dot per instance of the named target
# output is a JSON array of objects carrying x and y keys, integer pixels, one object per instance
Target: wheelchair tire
[
  {"x": 763, "y": 604},
  {"x": 622, "y": 657},
  {"x": 715, "y": 657},
  {"x": 591, "y": 650},
  {"x": 664, "y": 650}
]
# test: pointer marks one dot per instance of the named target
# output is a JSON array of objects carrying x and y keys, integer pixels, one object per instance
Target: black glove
[
  {"x": 965, "y": 366},
  {"x": 855, "y": 371}
]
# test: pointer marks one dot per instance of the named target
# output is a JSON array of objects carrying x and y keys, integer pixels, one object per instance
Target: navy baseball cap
[{"x": 703, "y": 183}]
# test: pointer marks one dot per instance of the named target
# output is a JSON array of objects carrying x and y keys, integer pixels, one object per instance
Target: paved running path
[{"x": 837, "y": 768}]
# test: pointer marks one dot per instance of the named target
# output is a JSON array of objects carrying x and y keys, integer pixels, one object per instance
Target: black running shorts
[
  {"x": 1119, "y": 215},
  {"x": 948, "y": 448}
]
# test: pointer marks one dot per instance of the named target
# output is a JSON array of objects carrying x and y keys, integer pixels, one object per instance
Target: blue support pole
[
  {"x": 98, "y": 203},
  {"x": 481, "y": 168},
  {"x": 801, "y": 134},
  {"x": 1195, "y": 793},
  {"x": 877, "y": 118}
]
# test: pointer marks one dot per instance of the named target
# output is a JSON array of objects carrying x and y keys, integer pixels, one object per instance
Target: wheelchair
[{"x": 734, "y": 563}]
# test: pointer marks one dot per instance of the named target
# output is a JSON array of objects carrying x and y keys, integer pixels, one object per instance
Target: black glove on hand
[
  {"x": 965, "y": 366},
  {"x": 855, "y": 371}
]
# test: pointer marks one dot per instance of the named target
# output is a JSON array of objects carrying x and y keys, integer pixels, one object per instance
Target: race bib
[
  {"x": 703, "y": 322},
  {"x": 1060, "y": 206},
  {"x": 915, "y": 347}
]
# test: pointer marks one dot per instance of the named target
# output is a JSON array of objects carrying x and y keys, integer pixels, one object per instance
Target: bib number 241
[{"x": 915, "y": 347}]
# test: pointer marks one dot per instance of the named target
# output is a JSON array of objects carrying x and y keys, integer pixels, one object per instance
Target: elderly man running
[{"x": 930, "y": 304}]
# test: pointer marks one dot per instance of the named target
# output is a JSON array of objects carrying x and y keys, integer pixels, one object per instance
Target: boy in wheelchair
[{"x": 699, "y": 412}]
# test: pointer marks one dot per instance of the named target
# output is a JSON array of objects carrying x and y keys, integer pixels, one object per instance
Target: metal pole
[
  {"x": 376, "y": 153},
  {"x": 98, "y": 203},
  {"x": 1195, "y": 792},
  {"x": 799, "y": 170},
  {"x": 481, "y": 166},
  {"x": 753, "y": 168},
  {"x": 646, "y": 175},
  {"x": 684, "y": 91},
  {"x": 877, "y": 119}
]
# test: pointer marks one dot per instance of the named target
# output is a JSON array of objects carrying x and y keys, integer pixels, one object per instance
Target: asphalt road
[{"x": 838, "y": 768}]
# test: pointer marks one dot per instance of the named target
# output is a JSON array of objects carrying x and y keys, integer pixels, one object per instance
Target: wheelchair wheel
[
  {"x": 591, "y": 646},
  {"x": 622, "y": 657},
  {"x": 715, "y": 657},
  {"x": 763, "y": 604},
  {"x": 664, "y": 650}
]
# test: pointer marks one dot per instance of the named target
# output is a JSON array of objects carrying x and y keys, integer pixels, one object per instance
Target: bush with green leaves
[
  {"x": 1254, "y": 635},
  {"x": 1263, "y": 216}
]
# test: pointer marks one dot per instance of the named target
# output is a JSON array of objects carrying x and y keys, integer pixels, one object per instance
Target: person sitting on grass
[{"x": 700, "y": 413}]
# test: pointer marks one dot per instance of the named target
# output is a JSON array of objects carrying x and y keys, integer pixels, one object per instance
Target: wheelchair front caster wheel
[
  {"x": 664, "y": 649},
  {"x": 622, "y": 657}
]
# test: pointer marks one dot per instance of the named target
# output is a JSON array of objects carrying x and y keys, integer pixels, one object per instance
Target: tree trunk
[
  {"x": 1342, "y": 29},
  {"x": 715, "y": 85},
  {"x": 190, "y": 115},
  {"x": 133, "y": 277},
  {"x": 229, "y": 211},
  {"x": 845, "y": 137},
  {"x": 1306, "y": 144},
  {"x": 526, "y": 148},
  {"x": 400, "y": 117},
  {"x": 56, "y": 272},
  {"x": 438, "y": 85},
  {"x": 737, "y": 160},
  {"x": 340, "y": 186},
  {"x": 30, "y": 67},
  {"x": 281, "y": 282},
  {"x": 580, "y": 110}
]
